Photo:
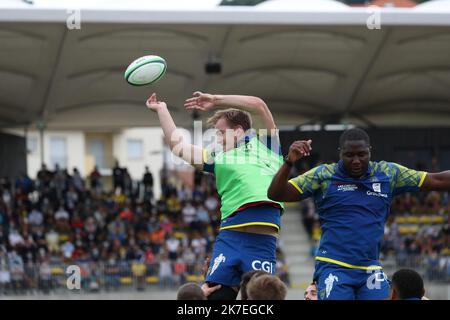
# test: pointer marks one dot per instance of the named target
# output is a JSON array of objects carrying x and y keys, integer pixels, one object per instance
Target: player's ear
[{"x": 239, "y": 130}]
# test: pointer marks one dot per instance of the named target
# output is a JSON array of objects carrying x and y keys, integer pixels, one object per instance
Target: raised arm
[
  {"x": 280, "y": 189},
  {"x": 254, "y": 105},
  {"x": 439, "y": 181},
  {"x": 173, "y": 137}
]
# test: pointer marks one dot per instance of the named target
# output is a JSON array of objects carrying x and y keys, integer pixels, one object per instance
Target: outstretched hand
[
  {"x": 299, "y": 149},
  {"x": 200, "y": 101},
  {"x": 153, "y": 103}
]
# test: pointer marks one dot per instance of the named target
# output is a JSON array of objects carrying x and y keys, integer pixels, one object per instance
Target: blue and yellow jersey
[{"x": 353, "y": 212}]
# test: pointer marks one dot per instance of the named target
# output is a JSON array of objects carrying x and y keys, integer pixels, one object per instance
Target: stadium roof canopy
[{"x": 311, "y": 63}]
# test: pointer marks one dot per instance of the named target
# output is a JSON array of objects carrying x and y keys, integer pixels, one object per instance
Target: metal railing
[
  {"x": 125, "y": 276},
  {"x": 432, "y": 268},
  {"x": 95, "y": 277}
]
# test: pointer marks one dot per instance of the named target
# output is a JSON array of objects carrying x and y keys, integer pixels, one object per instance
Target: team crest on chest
[{"x": 376, "y": 187}]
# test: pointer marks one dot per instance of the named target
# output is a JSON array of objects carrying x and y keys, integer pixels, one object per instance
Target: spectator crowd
[{"x": 118, "y": 237}]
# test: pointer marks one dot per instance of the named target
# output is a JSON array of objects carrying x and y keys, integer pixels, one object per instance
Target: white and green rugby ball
[{"x": 145, "y": 70}]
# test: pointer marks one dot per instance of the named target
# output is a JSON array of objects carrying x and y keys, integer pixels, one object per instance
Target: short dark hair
[
  {"x": 246, "y": 278},
  {"x": 408, "y": 284},
  {"x": 266, "y": 287},
  {"x": 354, "y": 134},
  {"x": 190, "y": 291}
]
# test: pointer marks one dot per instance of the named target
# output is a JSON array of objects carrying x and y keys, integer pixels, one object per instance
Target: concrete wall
[
  {"x": 115, "y": 149},
  {"x": 152, "y": 153},
  {"x": 75, "y": 143},
  {"x": 107, "y": 141}
]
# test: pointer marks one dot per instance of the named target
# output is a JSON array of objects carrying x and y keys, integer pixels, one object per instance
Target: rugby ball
[{"x": 145, "y": 70}]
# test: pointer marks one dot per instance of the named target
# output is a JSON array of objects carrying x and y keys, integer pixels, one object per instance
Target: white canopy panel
[
  {"x": 301, "y": 5},
  {"x": 308, "y": 66},
  {"x": 434, "y": 6}
]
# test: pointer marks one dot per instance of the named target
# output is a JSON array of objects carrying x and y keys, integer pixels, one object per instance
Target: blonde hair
[{"x": 234, "y": 118}]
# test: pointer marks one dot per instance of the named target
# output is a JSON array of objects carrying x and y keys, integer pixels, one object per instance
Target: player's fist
[{"x": 299, "y": 149}]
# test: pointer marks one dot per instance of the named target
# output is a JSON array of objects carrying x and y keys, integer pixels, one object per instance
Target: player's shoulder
[
  {"x": 386, "y": 167},
  {"x": 324, "y": 171}
]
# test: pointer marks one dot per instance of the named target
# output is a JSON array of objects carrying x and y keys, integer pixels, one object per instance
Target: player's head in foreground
[
  {"x": 231, "y": 125},
  {"x": 266, "y": 287},
  {"x": 190, "y": 291},
  {"x": 311, "y": 292},
  {"x": 354, "y": 151},
  {"x": 407, "y": 284},
  {"x": 246, "y": 277}
]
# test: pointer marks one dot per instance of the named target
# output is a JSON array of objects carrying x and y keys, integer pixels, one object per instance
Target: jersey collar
[{"x": 246, "y": 138}]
